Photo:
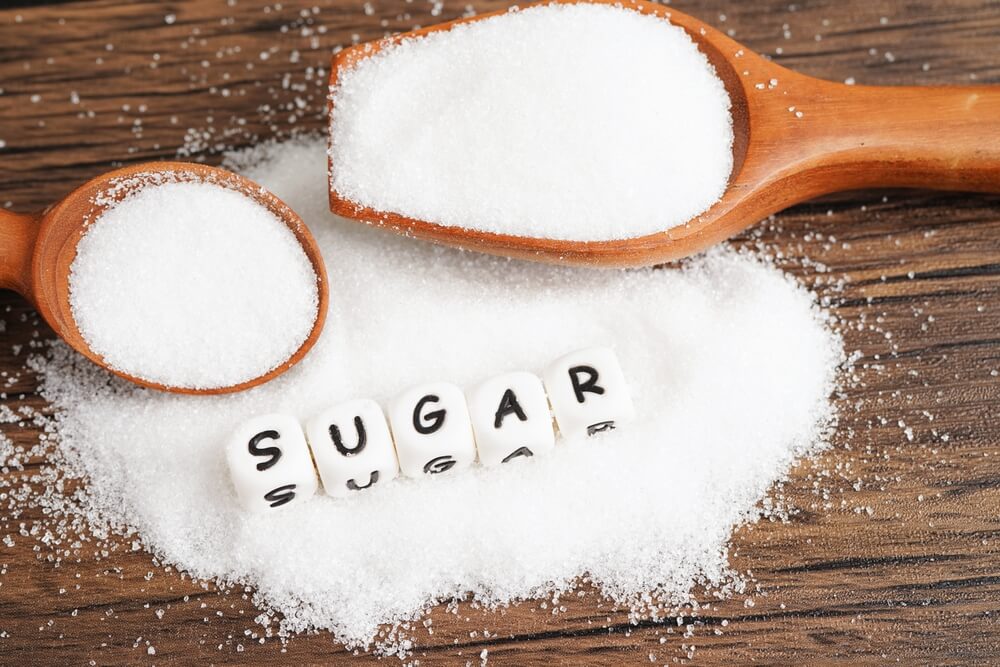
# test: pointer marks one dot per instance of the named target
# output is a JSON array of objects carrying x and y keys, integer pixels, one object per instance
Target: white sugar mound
[
  {"x": 192, "y": 285},
  {"x": 730, "y": 365},
  {"x": 577, "y": 122}
]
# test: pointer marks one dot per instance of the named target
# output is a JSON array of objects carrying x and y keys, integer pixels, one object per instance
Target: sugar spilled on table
[{"x": 641, "y": 513}]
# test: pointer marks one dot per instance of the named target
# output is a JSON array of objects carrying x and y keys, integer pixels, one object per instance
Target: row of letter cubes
[{"x": 432, "y": 429}]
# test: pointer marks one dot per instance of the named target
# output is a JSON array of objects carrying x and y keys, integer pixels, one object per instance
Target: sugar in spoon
[
  {"x": 795, "y": 138},
  {"x": 37, "y": 251}
]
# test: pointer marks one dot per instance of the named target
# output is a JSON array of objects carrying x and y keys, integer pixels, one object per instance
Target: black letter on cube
[
  {"x": 509, "y": 405},
  {"x": 520, "y": 451},
  {"x": 600, "y": 427},
  {"x": 439, "y": 464},
  {"x": 436, "y": 418},
  {"x": 338, "y": 442},
  {"x": 281, "y": 495},
  {"x": 372, "y": 479},
  {"x": 589, "y": 385},
  {"x": 273, "y": 452}
]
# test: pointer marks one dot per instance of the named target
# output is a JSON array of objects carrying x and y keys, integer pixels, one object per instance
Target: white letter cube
[
  {"x": 431, "y": 426},
  {"x": 352, "y": 447},
  {"x": 588, "y": 392},
  {"x": 511, "y": 419},
  {"x": 270, "y": 463}
]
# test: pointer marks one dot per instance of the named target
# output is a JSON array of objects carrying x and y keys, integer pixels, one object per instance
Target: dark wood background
[{"x": 894, "y": 555}]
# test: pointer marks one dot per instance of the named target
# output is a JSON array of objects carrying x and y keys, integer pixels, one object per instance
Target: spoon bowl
[
  {"x": 795, "y": 138},
  {"x": 37, "y": 251}
]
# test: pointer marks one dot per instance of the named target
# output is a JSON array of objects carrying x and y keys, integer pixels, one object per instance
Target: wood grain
[{"x": 893, "y": 556}]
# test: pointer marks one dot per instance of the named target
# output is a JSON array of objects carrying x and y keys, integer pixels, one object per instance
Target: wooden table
[{"x": 894, "y": 554}]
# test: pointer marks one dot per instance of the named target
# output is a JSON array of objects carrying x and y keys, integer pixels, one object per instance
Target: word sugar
[{"x": 431, "y": 429}]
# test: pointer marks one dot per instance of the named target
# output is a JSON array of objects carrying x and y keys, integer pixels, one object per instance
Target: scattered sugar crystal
[
  {"x": 192, "y": 285},
  {"x": 582, "y": 122},
  {"x": 729, "y": 361}
]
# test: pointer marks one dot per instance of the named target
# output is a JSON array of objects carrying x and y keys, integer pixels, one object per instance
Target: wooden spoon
[
  {"x": 36, "y": 252},
  {"x": 796, "y": 138}
]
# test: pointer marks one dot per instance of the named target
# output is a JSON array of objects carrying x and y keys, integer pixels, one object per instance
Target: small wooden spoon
[
  {"x": 796, "y": 137},
  {"x": 36, "y": 252}
]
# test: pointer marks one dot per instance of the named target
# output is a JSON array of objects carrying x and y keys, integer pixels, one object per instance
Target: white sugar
[
  {"x": 730, "y": 365},
  {"x": 192, "y": 285},
  {"x": 581, "y": 122}
]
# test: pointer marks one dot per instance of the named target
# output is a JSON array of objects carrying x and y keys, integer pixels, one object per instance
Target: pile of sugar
[
  {"x": 192, "y": 285},
  {"x": 730, "y": 365},
  {"x": 579, "y": 122}
]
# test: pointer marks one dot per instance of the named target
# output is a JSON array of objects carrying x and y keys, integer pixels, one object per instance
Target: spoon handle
[
  {"x": 941, "y": 138},
  {"x": 18, "y": 233}
]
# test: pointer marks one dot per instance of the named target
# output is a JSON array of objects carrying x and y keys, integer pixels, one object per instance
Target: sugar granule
[
  {"x": 192, "y": 285},
  {"x": 730, "y": 364},
  {"x": 579, "y": 122}
]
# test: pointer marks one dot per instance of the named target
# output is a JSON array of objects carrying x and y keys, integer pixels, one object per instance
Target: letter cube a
[{"x": 511, "y": 418}]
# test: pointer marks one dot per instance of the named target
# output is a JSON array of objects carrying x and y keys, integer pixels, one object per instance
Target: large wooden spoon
[
  {"x": 796, "y": 138},
  {"x": 36, "y": 252}
]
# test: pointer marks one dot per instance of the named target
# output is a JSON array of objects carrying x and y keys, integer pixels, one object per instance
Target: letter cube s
[{"x": 270, "y": 463}]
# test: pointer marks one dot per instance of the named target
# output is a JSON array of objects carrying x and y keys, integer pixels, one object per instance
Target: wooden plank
[{"x": 893, "y": 555}]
